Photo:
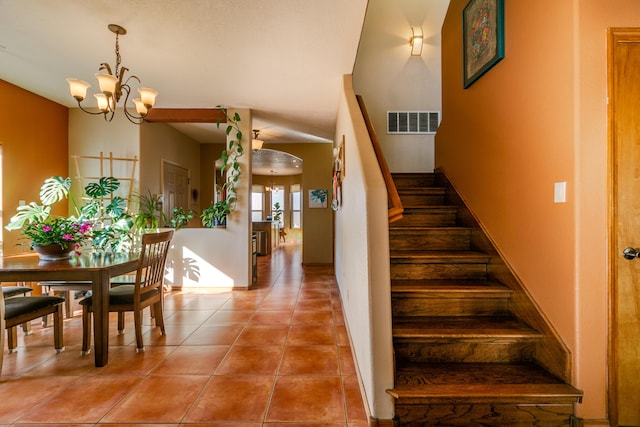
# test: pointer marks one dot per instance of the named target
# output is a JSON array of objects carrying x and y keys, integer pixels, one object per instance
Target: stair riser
[
  {"x": 438, "y": 271},
  {"x": 484, "y": 414},
  {"x": 422, "y": 199},
  {"x": 413, "y": 182},
  {"x": 407, "y": 306},
  {"x": 431, "y": 240},
  {"x": 440, "y": 218},
  {"x": 442, "y": 351}
]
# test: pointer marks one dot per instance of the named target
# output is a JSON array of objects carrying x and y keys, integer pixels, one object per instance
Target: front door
[
  {"x": 175, "y": 185},
  {"x": 624, "y": 123}
]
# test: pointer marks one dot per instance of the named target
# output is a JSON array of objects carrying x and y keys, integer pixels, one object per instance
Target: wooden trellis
[{"x": 107, "y": 166}]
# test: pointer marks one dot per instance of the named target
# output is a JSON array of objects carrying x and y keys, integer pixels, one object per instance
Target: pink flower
[
  {"x": 67, "y": 237},
  {"x": 46, "y": 228}
]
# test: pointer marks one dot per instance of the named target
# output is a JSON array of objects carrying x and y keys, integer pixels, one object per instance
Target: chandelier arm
[
  {"x": 105, "y": 66},
  {"x": 94, "y": 113},
  {"x": 132, "y": 117}
]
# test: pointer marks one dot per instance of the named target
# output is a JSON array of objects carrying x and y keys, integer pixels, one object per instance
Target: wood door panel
[{"x": 624, "y": 83}]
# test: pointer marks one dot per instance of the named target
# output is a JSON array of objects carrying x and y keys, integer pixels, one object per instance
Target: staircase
[{"x": 471, "y": 347}]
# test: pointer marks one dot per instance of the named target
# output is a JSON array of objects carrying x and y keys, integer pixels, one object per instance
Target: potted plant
[
  {"x": 94, "y": 224},
  {"x": 150, "y": 214},
  {"x": 180, "y": 217},
  {"x": 277, "y": 210},
  {"x": 216, "y": 214}
]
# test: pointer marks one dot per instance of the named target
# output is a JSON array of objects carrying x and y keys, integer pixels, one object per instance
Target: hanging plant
[{"x": 230, "y": 165}]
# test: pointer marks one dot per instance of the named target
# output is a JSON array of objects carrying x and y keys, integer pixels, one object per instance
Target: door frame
[{"x": 614, "y": 36}]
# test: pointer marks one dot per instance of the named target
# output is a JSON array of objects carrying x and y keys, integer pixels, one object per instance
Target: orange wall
[
  {"x": 538, "y": 117},
  {"x": 33, "y": 135},
  {"x": 505, "y": 141}
]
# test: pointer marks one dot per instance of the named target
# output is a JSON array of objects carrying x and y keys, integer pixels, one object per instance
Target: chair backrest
[{"x": 153, "y": 257}]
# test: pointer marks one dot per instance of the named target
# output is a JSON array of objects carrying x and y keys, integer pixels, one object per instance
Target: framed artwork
[
  {"x": 317, "y": 199},
  {"x": 482, "y": 37}
]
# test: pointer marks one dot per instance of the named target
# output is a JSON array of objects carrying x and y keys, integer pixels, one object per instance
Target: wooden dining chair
[
  {"x": 147, "y": 291},
  {"x": 18, "y": 310}
]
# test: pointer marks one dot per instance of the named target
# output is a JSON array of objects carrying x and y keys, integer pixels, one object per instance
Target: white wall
[
  {"x": 91, "y": 135},
  {"x": 389, "y": 79},
  {"x": 362, "y": 257},
  {"x": 222, "y": 257}
]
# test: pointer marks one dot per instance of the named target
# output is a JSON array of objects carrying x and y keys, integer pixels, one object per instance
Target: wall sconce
[
  {"x": 416, "y": 41},
  {"x": 256, "y": 144}
]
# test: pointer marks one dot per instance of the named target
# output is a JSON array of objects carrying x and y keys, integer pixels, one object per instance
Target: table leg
[
  {"x": 2, "y": 333},
  {"x": 100, "y": 292}
]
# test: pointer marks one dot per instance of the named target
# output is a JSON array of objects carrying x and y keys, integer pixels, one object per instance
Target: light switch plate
[{"x": 560, "y": 192}]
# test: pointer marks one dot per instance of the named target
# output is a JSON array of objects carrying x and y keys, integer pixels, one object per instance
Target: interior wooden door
[
  {"x": 175, "y": 185},
  {"x": 624, "y": 125}
]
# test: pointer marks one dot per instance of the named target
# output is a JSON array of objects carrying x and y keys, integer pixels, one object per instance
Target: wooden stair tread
[
  {"x": 422, "y": 190},
  {"x": 493, "y": 382},
  {"x": 440, "y": 256},
  {"x": 450, "y": 288},
  {"x": 463, "y": 327},
  {"x": 433, "y": 228}
]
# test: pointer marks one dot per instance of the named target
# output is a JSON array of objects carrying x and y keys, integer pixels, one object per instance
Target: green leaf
[
  {"x": 117, "y": 207},
  {"x": 236, "y": 117},
  {"x": 91, "y": 210},
  {"x": 54, "y": 189},
  {"x": 102, "y": 188},
  {"x": 229, "y": 129},
  {"x": 28, "y": 214}
]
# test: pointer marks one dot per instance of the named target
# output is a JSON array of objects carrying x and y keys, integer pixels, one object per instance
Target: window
[
  {"x": 296, "y": 206},
  {"x": 257, "y": 203},
  {"x": 277, "y": 196}
]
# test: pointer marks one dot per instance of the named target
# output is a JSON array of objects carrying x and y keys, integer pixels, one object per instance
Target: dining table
[{"x": 96, "y": 267}]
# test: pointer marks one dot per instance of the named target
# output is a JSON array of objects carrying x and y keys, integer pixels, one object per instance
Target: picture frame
[
  {"x": 318, "y": 199},
  {"x": 482, "y": 38}
]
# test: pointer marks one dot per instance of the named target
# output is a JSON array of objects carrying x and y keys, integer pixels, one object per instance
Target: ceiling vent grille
[{"x": 413, "y": 122}]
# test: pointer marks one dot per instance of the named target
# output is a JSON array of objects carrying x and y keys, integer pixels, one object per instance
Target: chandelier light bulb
[{"x": 78, "y": 88}]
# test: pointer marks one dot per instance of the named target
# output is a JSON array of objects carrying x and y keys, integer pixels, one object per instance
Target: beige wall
[
  {"x": 389, "y": 79},
  {"x": 30, "y": 153},
  {"x": 160, "y": 142},
  {"x": 317, "y": 224},
  {"x": 536, "y": 118},
  {"x": 362, "y": 257}
]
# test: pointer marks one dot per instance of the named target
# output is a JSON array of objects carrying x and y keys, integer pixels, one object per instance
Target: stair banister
[{"x": 395, "y": 205}]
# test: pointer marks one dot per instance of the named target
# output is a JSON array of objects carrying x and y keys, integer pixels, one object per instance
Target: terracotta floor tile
[
  {"x": 18, "y": 396},
  {"x": 213, "y": 334},
  {"x": 230, "y": 316},
  {"x": 263, "y": 335},
  {"x": 307, "y": 399},
  {"x": 312, "y": 317},
  {"x": 125, "y": 360},
  {"x": 192, "y": 360},
  {"x": 191, "y": 317},
  {"x": 158, "y": 399},
  {"x": 240, "y": 360},
  {"x": 309, "y": 335},
  {"x": 309, "y": 360},
  {"x": 275, "y": 356},
  {"x": 353, "y": 399},
  {"x": 86, "y": 400},
  {"x": 271, "y": 318},
  {"x": 314, "y": 304},
  {"x": 232, "y": 399}
]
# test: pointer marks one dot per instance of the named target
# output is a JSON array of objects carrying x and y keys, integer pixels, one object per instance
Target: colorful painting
[
  {"x": 317, "y": 199},
  {"x": 483, "y": 37}
]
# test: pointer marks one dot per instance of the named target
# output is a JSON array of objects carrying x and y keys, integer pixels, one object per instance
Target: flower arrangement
[{"x": 65, "y": 232}]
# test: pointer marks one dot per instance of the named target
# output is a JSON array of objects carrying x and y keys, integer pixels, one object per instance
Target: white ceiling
[{"x": 284, "y": 59}]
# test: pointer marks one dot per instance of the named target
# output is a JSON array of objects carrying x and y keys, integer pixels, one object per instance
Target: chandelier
[{"x": 112, "y": 87}]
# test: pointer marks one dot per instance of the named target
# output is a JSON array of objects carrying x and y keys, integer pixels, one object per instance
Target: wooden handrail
[{"x": 395, "y": 205}]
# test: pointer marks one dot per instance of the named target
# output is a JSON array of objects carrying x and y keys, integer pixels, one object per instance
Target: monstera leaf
[
  {"x": 54, "y": 189},
  {"x": 27, "y": 214},
  {"x": 105, "y": 186}
]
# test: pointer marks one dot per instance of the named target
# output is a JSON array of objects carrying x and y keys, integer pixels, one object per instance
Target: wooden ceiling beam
[{"x": 186, "y": 115}]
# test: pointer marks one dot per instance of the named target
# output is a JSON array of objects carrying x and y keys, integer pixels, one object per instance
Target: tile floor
[{"x": 277, "y": 355}]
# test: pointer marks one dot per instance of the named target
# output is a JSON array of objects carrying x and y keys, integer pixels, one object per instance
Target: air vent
[{"x": 413, "y": 122}]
